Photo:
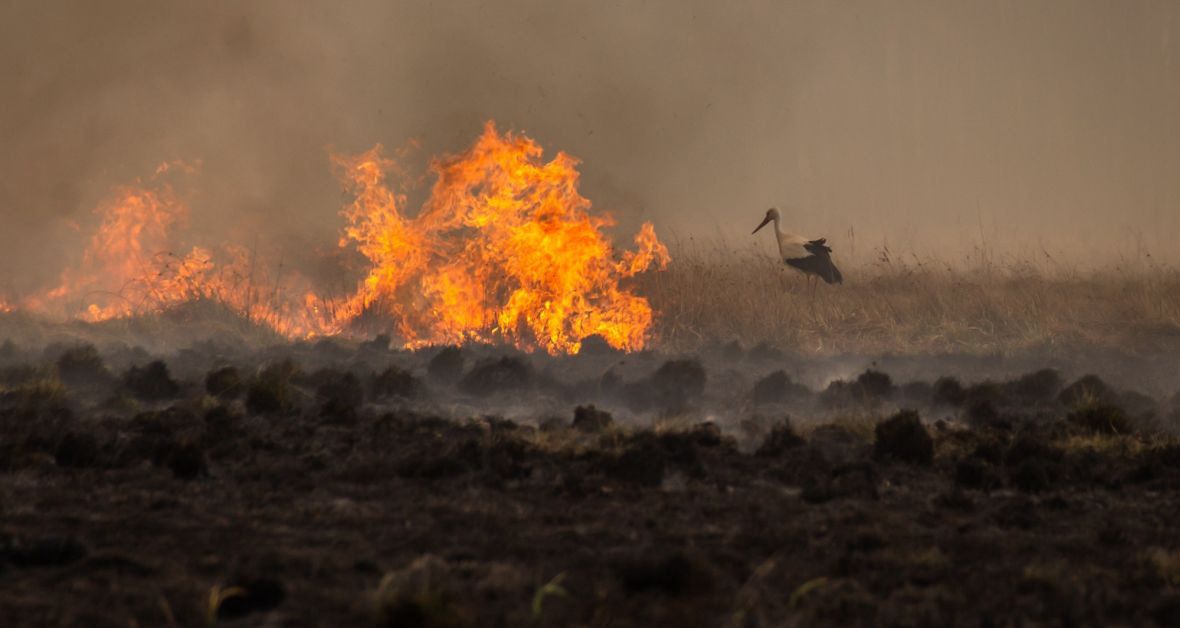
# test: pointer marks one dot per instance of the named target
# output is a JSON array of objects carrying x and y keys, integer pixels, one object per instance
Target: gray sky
[{"x": 932, "y": 126}]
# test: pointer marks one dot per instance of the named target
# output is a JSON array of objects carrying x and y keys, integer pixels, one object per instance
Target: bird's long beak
[{"x": 763, "y": 224}]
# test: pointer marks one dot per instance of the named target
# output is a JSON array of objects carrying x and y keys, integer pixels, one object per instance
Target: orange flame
[
  {"x": 120, "y": 272},
  {"x": 505, "y": 248}
]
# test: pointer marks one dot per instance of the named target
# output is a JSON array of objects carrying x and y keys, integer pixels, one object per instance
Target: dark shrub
[
  {"x": 342, "y": 388},
  {"x": 777, "y": 388},
  {"x": 1039, "y": 386},
  {"x": 591, "y": 419},
  {"x": 151, "y": 382},
  {"x": 677, "y": 382},
  {"x": 395, "y": 382},
  {"x": 1030, "y": 476},
  {"x": 77, "y": 451},
  {"x": 497, "y": 375},
  {"x": 1100, "y": 418},
  {"x": 982, "y": 412},
  {"x": 839, "y": 394},
  {"x": 271, "y": 391},
  {"x": 875, "y": 385},
  {"x": 1086, "y": 390},
  {"x": 781, "y": 438},
  {"x": 973, "y": 473},
  {"x": 948, "y": 391},
  {"x": 224, "y": 383},
  {"x": 733, "y": 351},
  {"x": 917, "y": 393},
  {"x": 764, "y": 352},
  {"x": 641, "y": 463},
  {"x": 596, "y": 345},
  {"x": 984, "y": 392},
  {"x": 447, "y": 365},
  {"x": 380, "y": 342},
  {"x": 81, "y": 364},
  {"x": 902, "y": 437},
  {"x": 186, "y": 461},
  {"x": 1030, "y": 447}
]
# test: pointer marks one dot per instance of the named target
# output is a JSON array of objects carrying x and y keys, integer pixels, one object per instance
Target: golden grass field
[{"x": 714, "y": 293}]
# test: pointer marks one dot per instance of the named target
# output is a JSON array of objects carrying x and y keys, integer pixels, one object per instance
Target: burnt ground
[{"x": 274, "y": 493}]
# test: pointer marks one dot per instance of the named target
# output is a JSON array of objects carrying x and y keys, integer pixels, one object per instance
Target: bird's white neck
[{"x": 780, "y": 237}]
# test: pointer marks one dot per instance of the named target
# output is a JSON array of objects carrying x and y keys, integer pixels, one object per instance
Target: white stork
[{"x": 811, "y": 257}]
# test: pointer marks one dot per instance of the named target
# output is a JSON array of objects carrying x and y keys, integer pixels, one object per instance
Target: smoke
[{"x": 931, "y": 127}]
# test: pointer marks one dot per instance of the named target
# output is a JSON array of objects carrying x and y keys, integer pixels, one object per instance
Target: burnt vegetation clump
[
  {"x": 903, "y": 438},
  {"x": 870, "y": 389},
  {"x": 671, "y": 388},
  {"x": 272, "y": 390},
  {"x": 498, "y": 375},
  {"x": 394, "y": 382},
  {"x": 224, "y": 383},
  {"x": 782, "y": 437},
  {"x": 1100, "y": 418},
  {"x": 447, "y": 365},
  {"x": 151, "y": 382},
  {"x": 1087, "y": 389},
  {"x": 949, "y": 391},
  {"x": 591, "y": 420},
  {"x": 82, "y": 364},
  {"x": 778, "y": 387}
]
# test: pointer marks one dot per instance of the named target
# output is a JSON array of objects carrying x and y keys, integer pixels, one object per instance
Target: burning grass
[{"x": 503, "y": 249}]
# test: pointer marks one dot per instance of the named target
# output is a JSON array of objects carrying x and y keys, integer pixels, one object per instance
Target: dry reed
[{"x": 712, "y": 294}]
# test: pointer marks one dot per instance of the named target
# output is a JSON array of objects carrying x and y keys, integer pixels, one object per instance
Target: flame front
[{"x": 504, "y": 249}]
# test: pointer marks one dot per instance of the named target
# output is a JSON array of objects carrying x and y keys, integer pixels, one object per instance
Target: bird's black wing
[
  {"x": 819, "y": 262},
  {"x": 818, "y": 247}
]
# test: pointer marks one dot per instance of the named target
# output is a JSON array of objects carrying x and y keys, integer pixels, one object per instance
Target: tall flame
[{"x": 504, "y": 249}]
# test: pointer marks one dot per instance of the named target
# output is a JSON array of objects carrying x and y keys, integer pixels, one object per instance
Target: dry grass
[{"x": 715, "y": 294}]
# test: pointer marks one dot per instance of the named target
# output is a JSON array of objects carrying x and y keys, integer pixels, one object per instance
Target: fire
[
  {"x": 123, "y": 266},
  {"x": 504, "y": 249}
]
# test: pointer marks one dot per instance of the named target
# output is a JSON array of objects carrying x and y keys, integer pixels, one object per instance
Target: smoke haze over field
[{"x": 933, "y": 126}]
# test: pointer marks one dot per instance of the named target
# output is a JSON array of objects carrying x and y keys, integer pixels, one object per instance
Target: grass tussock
[{"x": 716, "y": 293}]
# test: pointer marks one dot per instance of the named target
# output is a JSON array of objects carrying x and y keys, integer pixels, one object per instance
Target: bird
[{"x": 811, "y": 257}]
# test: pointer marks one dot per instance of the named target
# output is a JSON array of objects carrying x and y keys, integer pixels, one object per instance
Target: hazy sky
[{"x": 929, "y": 125}]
